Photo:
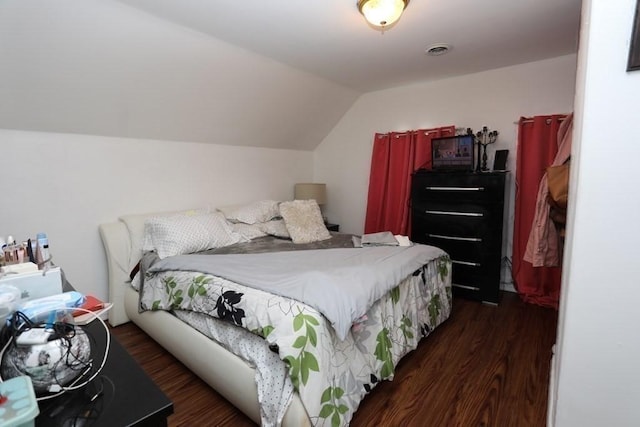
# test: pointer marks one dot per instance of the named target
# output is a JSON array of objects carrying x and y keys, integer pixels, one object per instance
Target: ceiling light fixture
[{"x": 382, "y": 13}]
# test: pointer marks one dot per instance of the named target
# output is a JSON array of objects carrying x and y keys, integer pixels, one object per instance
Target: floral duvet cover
[{"x": 330, "y": 375}]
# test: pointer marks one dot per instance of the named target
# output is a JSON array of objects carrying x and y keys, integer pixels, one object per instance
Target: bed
[{"x": 291, "y": 362}]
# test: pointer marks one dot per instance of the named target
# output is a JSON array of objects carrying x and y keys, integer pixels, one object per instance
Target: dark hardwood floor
[{"x": 485, "y": 366}]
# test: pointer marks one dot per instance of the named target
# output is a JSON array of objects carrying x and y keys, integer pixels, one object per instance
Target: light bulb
[{"x": 382, "y": 13}]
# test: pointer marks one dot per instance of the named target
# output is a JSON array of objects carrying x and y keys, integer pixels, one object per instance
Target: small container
[
  {"x": 43, "y": 247},
  {"x": 10, "y": 254},
  {"x": 21, "y": 406}
]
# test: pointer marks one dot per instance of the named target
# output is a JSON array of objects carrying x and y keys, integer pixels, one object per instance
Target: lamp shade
[
  {"x": 382, "y": 13},
  {"x": 308, "y": 191}
]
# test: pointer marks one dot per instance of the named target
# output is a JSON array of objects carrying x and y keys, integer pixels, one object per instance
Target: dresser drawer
[
  {"x": 472, "y": 275},
  {"x": 470, "y": 283},
  {"x": 467, "y": 249},
  {"x": 478, "y": 291},
  {"x": 458, "y": 187},
  {"x": 458, "y": 221},
  {"x": 479, "y": 287}
]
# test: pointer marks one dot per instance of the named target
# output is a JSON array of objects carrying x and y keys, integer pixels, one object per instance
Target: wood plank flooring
[{"x": 485, "y": 366}]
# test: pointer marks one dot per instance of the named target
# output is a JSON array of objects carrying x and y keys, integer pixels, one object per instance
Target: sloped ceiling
[{"x": 274, "y": 74}]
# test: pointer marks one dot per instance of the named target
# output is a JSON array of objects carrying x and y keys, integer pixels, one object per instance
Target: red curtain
[
  {"x": 537, "y": 148},
  {"x": 395, "y": 157}
]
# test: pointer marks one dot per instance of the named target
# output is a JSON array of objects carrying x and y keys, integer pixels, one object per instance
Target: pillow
[
  {"x": 135, "y": 227},
  {"x": 147, "y": 244},
  {"x": 262, "y": 211},
  {"x": 274, "y": 227},
  {"x": 181, "y": 234},
  {"x": 248, "y": 231},
  {"x": 304, "y": 221}
]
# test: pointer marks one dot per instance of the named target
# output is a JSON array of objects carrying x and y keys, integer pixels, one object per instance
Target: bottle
[
  {"x": 38, "y": 256},
  {"x": 43, "y": 249},
  {"x": 10, "y": 251}
]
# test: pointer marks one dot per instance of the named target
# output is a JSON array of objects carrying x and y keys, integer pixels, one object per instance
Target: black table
[{"x": 126, "y": 395}]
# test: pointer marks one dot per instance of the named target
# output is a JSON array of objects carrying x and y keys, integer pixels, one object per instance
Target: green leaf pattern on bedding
[
  {"x": 302, "y": 364},
  {"x": 406, "y": 326},
  {"x": 395, "y": 294},
  {"x": 444, "y": 266},
  {"x": 434, "y": 308},
  {"x": 332, "y": 408},
  {"x": 263, "y": 332},
  {"x": 383, "y": 353},
  {"x": 174, "y": 295},
  {"x": 331, "y": 376},
  {"x": 198, "y": 286}
]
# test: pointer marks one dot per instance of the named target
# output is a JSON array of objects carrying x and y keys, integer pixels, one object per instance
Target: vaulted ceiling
[{"x": 276, "y": 73}]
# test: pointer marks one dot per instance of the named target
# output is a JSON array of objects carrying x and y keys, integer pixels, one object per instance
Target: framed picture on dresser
[{"x": 500, "y": 160}]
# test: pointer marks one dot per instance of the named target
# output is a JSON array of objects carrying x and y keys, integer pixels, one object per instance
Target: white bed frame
[{"x": 225, "y": 372}]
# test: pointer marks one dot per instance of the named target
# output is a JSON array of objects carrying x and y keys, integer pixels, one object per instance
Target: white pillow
[
  {"x": 181, "y": 234},
  {"x": 304, "y": 221},
  {"x": 135, "y": 226},
  {"x": 248, "y": 231},
  {"x": 275, "y": 227},
  {"x": 252, "y": 213},
  {"x": 147, "y": 244}
]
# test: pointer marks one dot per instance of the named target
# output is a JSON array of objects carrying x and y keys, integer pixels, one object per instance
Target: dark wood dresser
[{"x": 462, "y": 213}]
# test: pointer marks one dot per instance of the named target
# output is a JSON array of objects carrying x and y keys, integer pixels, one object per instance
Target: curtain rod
[
  {"x": 560, "y": 119},
  {"x": 399, "y": 134}
]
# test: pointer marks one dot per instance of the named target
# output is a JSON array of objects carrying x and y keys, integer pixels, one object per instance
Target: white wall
[
  {"x": 597, "y": 366},
  {"x": 494, "y": 98},
  {"x": 66, "y": 185}
]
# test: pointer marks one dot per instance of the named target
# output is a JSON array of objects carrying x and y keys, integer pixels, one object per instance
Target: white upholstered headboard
[
  {"x": 115, "y": 238},
  {"x": 122, "y": 242}
]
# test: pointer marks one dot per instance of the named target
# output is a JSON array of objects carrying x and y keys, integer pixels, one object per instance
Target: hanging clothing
[
  {"x": 394, "y": 158},
  {"x": 537, "y": 148},
  {"x": 543, "y": 246}
]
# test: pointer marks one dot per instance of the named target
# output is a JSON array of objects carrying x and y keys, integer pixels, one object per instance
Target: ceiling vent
[{"x": 438, "y": 49}]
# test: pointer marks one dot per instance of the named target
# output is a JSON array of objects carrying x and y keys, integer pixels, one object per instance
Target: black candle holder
[{"x": 483, "y": 138}]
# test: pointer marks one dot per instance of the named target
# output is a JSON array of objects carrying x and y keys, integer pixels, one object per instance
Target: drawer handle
[
  {"x": 455, "y": 188},
  {"x": 465, "y": 239},
  {"x": 472, "y": 264},
  {"x": 474, "y": 214},
  {"x": 471, "y": 288}
]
